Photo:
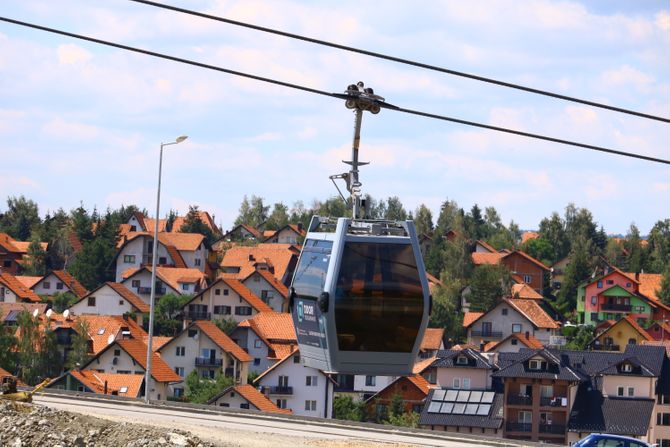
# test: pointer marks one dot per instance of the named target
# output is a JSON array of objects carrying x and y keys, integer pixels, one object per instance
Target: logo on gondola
[{"x": 300, "y": 312}]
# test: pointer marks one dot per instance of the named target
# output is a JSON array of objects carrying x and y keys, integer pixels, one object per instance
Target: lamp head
[{"x": 181, "y": 138}]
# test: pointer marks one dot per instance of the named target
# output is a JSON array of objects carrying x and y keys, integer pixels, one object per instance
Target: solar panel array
[{"x": 469, "y": 403}]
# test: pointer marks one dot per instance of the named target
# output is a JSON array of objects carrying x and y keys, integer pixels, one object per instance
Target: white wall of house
[
  {"x": 197, "y": 345},
  {"x": 126, "y": 365},
  {"x": 223, "y": 302},
  {"x": 50, "y": 285},
  {"x": 286, "y": 236},
  {"x": 264, "y": 290},
  {"x": 504, "y": 320},
  {"x": 378, "y": 383},
  {"x": 642, "y": 386},
  {"x": 133, "y": 222},
  {"x": 195, "y": 259},
  {"x": 480, "y": 379},
  {"x": 255, "y": 347},
  {"x": 233, "y": 399},
  {"x": 7, "y": 296},
  {"x": 321, "y": 393},
  {"x": 104, "y": 301},
  {"x": 132, "y": 255},
  {"x": 140, "y": 284}
]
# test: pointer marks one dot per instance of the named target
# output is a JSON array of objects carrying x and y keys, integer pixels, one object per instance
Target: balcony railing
[
  {"x": 554, "y": 429},
  {"x": 281, "y": 390},
  {"x": 514, "y": 399},
  {"x": 519, "y": 427},
  {"x": 487, "y": 334},
  {"x": 553, "y": 401},
  {"x": 617, "y": 307},
  {"x": 207, "y": 361},
  {"x": 601, "y": 347},
  {"x": 147, "y": 290},
  {"x": 197, "y": 315}
]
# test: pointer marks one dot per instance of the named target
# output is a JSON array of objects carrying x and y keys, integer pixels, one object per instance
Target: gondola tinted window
[
  {"x": 378, "y": 299},
  {"x": 310, "y": 275}
]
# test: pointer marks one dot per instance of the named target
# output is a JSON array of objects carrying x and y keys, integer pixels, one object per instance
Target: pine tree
[
  {"x": 664, "y": 292},
  {"x": 79, "y": 355},
  {"x": 423, "y": 220},
  {"x": 193, "y": 224},
  {"x": 36, "y": 264}
]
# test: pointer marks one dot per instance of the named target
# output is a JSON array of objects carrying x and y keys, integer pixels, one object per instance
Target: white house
[
  {"x": 268, "y": 337},
  {"x": 202, "y": 346},
  {"x": 111, "y": 298},
  {"x": 289, "y": 234},
  {"x": 269, "y": 289},
  {"x": 13, "y": 291},
  {"x": 294, "y": 386},
  {"x": 128, "y": 356},
  {"x": 59, "y": 281},
  {"x": 169, "y": 280},
  {"x": 225, "y": 298},
  {"x": 245, "y": 397},
  {"x": 181, "y": 250}
]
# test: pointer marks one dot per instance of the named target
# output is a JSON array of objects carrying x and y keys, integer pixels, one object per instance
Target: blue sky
[{"x": 83, "y": 123}]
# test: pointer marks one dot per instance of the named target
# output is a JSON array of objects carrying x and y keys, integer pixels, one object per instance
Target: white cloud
[
  {"x": 663, "y": 20},
  {"x": 662, "y": 187},
  {"x": 627, "y": 75},
  {"x": 60, "y": 128},
  {"x": 70, "y": 54}
]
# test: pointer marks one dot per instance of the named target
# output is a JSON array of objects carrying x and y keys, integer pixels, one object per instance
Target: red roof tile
[
  {"x": 129, "y": 296},
  {"x": 272, "y": 326},
  {"x": 471, "y": 317},
  {"x": 247, "y": 295},
  {"x": 274, "y": 282},
  {"x": 420, "y": 382},
  {"x": 101, "y": 327},
  {"x": 277, "y": 257},
  {"x": 258, "y": 400},
  {"x": 222, "y": 340},
  {"x": 432, "y": 339},
  {"x": 22, "y": 292},
  {"x": 160, "y": 371},
  {"x": 7, "y": 243},
  {"x": 75, "y": 286},
  {"x": 421, "y": 366},
  {"x": 528, "y": 235},
  {"x": 528, "y": 257},
  {"x": 28, "y": 281},
  {"x": 534, "y": 312},
  {"x": 96, "y": 381},
  {"x": 525, "y": 291},
  {"x": 486, "y": 258}
]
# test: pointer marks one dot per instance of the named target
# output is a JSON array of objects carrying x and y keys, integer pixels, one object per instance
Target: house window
[
  {"x": 242, "y": 310},
  {"x": 257, "y": 361},
  {"x": 217, "y": 291},
  {"x": 535, "y": 364},
  {"x": 281, "y": 403},
  {"x": 504, "y": 311},
  {"x": 192, "y": 332},
  {"x": 150, "y": 246},
  {"x": 185, "y": 286},
  {"x": 311, "y": 380},
  {"x": 91, "y": 301},
  {"x": 515, "y": 342},
  {"x": 663, "y": 419},
  {"x": 226, "y": 292},
  {"x": 197, "y": 262},
  {"x": 370, "y": 380},
  {"x": 46, "y": 284},
  {"x": 162, "y": 260},
  {"x": 527, "y": 279},
  {"x": 257, "y": 343},
  {"x": 631, "y": 391},
  {"x": 600, "y": 284},
  {"x": 456, "y": 383},
  {"x": 594, "y": 316},
  {"x": 7, "y": 263},
  {"x": 620, "y": 391},
  {"x": 466, "y": 383},
  {"x": 628, "y": 284},
  {"x": 135, "y": 283},
  {"x": 627, "y": 367},
  {"x": 59, "y": 286},
  {"x": 129, "y": 259},
  {"x": 609, "y": 282},
  {"x": 179, "y": 371},
  {"x": 516, "y": 328},
  {"x": 224, "y": 404},
  {"x": 296, "y": 359},
  {"x": 462, "y": 360},
  {"x": 594, "y": 300},
  {"x": 283, "y": 381},
  {"x": 117, "y": 352},
  {"x": 222, "y": 310},
  {"x": 487, "y": 328},
  {"x": 178, "y": 392},
  {"x": 181, "y": 351},
  {"x": 310, "y": 405},
  {"x": 525, "y": 417},
  {"x": 245, "y": 406},
  {"x": 257, "y": 278}
]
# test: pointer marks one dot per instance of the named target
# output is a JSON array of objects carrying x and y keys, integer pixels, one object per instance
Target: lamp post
[{"x": 154, "y": 257}]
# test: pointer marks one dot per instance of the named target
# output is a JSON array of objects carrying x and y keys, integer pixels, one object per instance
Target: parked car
[{"x": 605, "y": 440}]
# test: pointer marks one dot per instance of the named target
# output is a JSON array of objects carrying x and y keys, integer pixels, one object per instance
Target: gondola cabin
[{"x": 359, "y": 297}]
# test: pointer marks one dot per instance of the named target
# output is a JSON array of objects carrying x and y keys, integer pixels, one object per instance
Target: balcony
[
  {"x": 514, "y": 399},
  {"x": 617, "y": 307},
  {"x": 197, "y": 315},
  {"x": 281, "y": 390},
  {"x": 553, "y": 402},
  {"x": 599, "y": 347},
  {"x": 160, "y": 291},
  {"x": 207, "y": 361},
  {"x": 553, "y": 429},
  {"x": 519, "y": 427},
  {"x": 486, "y": 334}
]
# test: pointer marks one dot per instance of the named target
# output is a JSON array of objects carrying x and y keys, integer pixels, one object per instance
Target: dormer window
[
  {"x": 461, "y": 360},
  {"x": 537, "y": 364},
  {"x": 627, "y": 367}
]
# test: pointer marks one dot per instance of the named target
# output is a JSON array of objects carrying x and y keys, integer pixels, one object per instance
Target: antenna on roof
[
  {"x": 35, "y": 313},
  {"x": 48, "y": 313},
  {"x": 66, "y": 313}
]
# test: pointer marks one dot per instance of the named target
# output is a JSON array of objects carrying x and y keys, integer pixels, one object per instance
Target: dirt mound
[{"x": 23, "y": 425}]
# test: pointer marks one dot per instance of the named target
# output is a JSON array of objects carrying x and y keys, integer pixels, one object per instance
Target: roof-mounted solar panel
[
  {"x": 483, "y": 410},
  {"x": 447, "y": 408},
  {"x": 434, "y": 407},
  {"x": 487, "y": 397},
  {"x": 475, "y": 397},
  {"x": 463, "y": 396},
  {"x": 471, "y": 409},
  {"x": 458, "y": 409},
  {"x": 439, "y": 395},
  {"x": 451, "y": 396}
]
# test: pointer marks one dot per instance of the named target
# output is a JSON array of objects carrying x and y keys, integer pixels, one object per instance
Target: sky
[{"x": 83, "y": 123}]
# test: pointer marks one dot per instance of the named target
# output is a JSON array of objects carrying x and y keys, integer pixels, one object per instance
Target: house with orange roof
[
  {"x": 483, "y": 247},
  {"x": 528, "y": 235},
  {"x": 272, "y": 291},
  {"x": 224, "y": 299},
  {"x": 129, "y": 356},
  {"x": 288, "y": 234},
  {"x": 622, "y": 333},
  {"x": 105, "y": 329},
  {"x": 267, "y": 337},
  {"x": 205, "y": 348},
  {"x": 615, "y": 294},
  {"x": 431, "y": 343},
  {"x": 111, "y": 298},
  {"x": 9, "y": 312},
  {"x": 13, "y": 253},
  {"x": 13, "y": 291},
  {"x": 139, "y": 222},
  {"x": 412, "y": 389},
  {"x": 240, "y": 233},
  {"x": 58, "y": 281},
  {"x": 514, "y": 343},
  {"x": 246, "y": 397},
  {"x": 279, "y": 259},
  {"x": 523, "y": 267},
  {"x": 293, "y": 386},
  {"x": 181, "y": 250},
  {"x": 508, "y": 317},
  {"x": 91, "y": 381},
  {"x": 28, "y": 281},
  {"x": 177, "y": 281}
]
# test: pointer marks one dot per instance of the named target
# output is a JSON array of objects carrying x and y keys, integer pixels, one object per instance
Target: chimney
[
  {"x": 527, "y": 335},
  {"x": 481, "y": 347},
  {"x": 300, "y": 226},
  {"x": 105, "y": 387},
  {"x": 251, "y": 257},
  {"x": 637, "y": 276}
]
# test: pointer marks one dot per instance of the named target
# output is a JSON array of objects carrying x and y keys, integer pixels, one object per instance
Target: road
[{"x": 258, "y": 431}]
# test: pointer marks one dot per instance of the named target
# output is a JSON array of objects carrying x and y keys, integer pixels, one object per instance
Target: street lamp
[{"x": 154, "y": 257}]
